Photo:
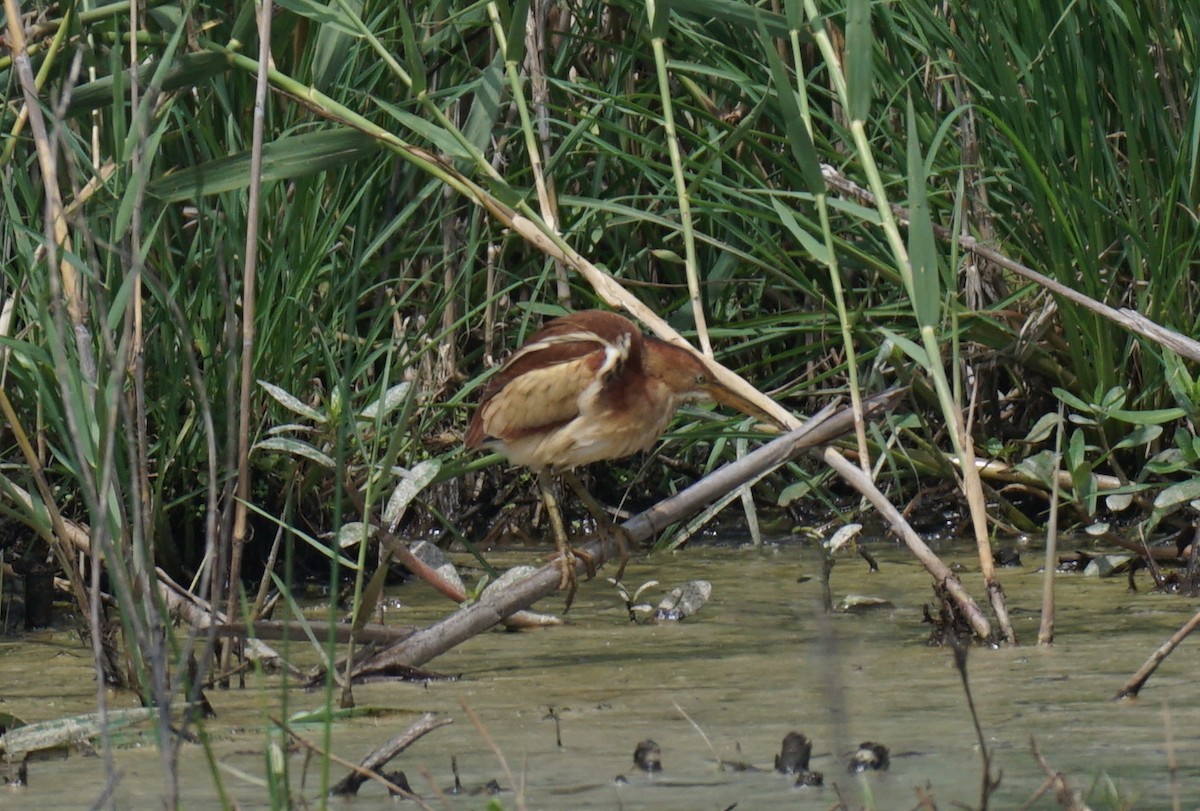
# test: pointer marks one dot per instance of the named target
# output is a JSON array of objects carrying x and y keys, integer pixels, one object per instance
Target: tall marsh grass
[{"x": 788, "y": 185}]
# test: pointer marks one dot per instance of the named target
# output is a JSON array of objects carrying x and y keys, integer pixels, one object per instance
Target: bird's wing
[
  {"x": 548, "y": 380},
  {"x": 542, "y": 398}
]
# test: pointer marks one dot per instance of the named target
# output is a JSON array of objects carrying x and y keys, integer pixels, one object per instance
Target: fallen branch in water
[
  {"x": 342, "y": 632},
  {"x": 492, "y": 608}
]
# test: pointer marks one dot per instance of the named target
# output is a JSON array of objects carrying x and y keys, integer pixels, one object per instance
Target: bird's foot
[
  {"x": 570, "y": 580},
  {"x": 623, "y": 540}
]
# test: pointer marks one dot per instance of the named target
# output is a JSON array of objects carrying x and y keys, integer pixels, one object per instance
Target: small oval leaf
[
  {"x": 354, "y": 533},
  {"x": 292, "y": 403},
  {"x": 1177, "y": 494},
  {"x": 1152, "y": 416},
  {"x": 295, "y": 447},
  {"x": 1042, "y": 429},
  {"x": 1142, "y": 434},
  {"x": 389, "y": 402},
  {"x": 1118, "y": 502},
  {"x": 411, "y": 483},
  {"x": 1071, "y": 400},
  {"x": 842, "y": 537}
]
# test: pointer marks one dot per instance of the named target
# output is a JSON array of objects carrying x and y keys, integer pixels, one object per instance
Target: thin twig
[
  {"x": 1067, "y": 798},
  {"x": 1135, "y": 684},
  {"x": 696, "y": 727},
  {"x": 518, "y": 791}
]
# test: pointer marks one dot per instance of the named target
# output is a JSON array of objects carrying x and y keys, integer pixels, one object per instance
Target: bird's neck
[
  {"x": 671, "y": 367},
  {"x": 662, "y": 359}
]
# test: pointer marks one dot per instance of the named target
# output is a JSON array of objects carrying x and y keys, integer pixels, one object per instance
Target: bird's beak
[{"x": 727, "y": 397}]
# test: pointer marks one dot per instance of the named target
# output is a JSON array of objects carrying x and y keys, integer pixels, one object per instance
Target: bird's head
[{"x": 691, "y": 379}]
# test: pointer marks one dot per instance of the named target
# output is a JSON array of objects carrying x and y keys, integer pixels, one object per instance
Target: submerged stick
[
  {"x": 1135, "y": 684},
  {"x": 989, "y": 784},
  {"x": 517, "y": 788},
  {"x": 440, "y": 637},
  {"x": 370, "y": 766}
]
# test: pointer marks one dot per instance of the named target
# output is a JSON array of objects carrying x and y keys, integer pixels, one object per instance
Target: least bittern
[{"x": 588, "y": 386}]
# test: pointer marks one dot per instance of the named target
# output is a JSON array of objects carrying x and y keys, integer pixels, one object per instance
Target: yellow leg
[
  {"x": 604, "y": 523},
  {"x": 566, "y": 555}
]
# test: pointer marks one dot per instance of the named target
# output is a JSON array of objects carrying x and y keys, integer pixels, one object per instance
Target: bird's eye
[{"x": 701, "y": 379}]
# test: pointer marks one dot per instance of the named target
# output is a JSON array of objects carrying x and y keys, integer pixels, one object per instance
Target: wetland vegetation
[{"x": 259, "y": 261}]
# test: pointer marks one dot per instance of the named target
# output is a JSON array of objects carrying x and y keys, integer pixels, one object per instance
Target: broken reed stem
[
  {"x": 249, "y": 285},
  {"x": 972, "y": 487},
  {"x": 1125, "y": 317},
  {"x": 1046, "y": 628},
  {"x": 1066, "y": 797}
]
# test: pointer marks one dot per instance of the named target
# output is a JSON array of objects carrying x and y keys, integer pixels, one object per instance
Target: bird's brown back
[{"x": 576, "y": 347}]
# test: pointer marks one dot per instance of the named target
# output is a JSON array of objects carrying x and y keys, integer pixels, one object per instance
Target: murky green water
[{"x": 758, "y": 661}]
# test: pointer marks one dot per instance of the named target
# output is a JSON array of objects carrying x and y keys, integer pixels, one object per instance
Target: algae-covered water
[{"x": 723, "y": 687}]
